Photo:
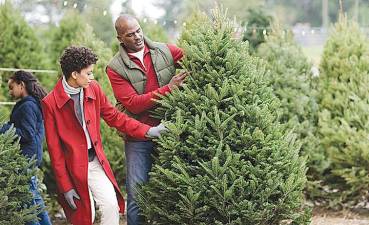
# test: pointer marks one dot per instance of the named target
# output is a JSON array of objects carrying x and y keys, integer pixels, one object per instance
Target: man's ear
[{"x": 119, "y": 39}]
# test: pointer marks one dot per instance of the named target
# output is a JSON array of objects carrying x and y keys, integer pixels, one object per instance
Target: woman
[{"x": 27, "y": 119}]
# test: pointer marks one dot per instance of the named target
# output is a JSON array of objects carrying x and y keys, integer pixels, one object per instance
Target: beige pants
[{"x": 103, "y": 193}]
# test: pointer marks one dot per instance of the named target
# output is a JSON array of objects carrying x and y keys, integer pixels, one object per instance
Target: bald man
[{"x": 139, "y": 71}]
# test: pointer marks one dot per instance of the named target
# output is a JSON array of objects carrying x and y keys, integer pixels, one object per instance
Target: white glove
[
  {"x": 156, "y": 131},
  {"x": 69, "y": 195}
]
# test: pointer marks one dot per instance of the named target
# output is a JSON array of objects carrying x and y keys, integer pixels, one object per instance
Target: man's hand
[
  {"x": 69, "y": 195},
  {"x": 178, "y": 80},
  {"x": 156, "y": 131}
]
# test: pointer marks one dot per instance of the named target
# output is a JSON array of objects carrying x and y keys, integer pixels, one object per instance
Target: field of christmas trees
[{"x": 257, "y": 135}]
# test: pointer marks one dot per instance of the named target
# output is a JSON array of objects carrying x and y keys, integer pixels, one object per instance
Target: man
[
  {"x": 72, "y": 112},
  {"x": 140, "y": 71}
]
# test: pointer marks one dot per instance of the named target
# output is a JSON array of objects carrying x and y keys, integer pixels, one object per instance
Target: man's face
[
  {"x": 84, "y": 78},
  {"x": 131, "y": 36}
]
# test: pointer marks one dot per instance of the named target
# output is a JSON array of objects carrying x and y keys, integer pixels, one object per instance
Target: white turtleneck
[{"x": 139, "y": 55}]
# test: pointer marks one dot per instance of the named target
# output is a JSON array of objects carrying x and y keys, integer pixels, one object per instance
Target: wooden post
[
  {"x": 325, "y": 16},
  {"x": 356, "y": 12}
]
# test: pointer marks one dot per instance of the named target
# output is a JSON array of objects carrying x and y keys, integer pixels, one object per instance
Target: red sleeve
[
  {"x": 55, "y": 150},
  {"x": 127, "y": 95},
  {"x": 177, "y": 53},
  {"x": 119, "y": 120}
]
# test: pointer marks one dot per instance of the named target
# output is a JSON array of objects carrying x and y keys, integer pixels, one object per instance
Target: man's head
[
  {"x": 77, "y": 65},
  {"x": 129, "y": 33}
]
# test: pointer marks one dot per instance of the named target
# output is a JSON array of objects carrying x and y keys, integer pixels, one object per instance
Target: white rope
[
  {"x": 29, "y": 70},
  {"x": 7, "y": 103}
]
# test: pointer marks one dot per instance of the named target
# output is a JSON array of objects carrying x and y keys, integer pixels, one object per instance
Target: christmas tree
[
  {"x": 226, "y": 159},
  {"x": 289, "y": 75},
  {"x": 257, "y": 27},
  {"x": 343, "y": 113},
  {"x": 15, "y": 174},
  {"x": 62, "y": 36},
  {"x": 19, "y": 46}
]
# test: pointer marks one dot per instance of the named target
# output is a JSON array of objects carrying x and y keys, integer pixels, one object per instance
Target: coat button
[
  {"x": 88, "y": 122},
  {"x": 95, "y": 143}
]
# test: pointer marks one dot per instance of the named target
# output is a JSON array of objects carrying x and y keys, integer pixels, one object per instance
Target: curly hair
[
  {"x": 32, "y": 85},
  {"x": 76, "y": 58}
]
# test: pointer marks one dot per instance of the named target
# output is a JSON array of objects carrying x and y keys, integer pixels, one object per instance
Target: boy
[{"x": 72, "y": 114}]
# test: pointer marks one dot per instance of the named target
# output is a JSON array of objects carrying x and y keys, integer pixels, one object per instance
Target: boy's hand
[{"x": 69, "y": 195}]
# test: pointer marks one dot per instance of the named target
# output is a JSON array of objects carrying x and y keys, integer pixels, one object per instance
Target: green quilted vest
[
  {"x": 162, "y": 60},
  {"x": 163, "y": 65}
]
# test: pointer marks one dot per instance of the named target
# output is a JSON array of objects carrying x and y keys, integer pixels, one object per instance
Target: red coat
[{"x": 67, "y": 144}]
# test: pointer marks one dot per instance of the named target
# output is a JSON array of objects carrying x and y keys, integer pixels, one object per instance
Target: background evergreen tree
[
  {"x": 257, "y": 27},
  {"x": 4, "y": 109},
  {"x": 15, "y": 174},
  {"x": 343, "y": 114},
  {"x": 62, "y": 36},
  {"x": 19, "y": 46},
  {"x": 289, "y": 76},
  {"x": 98, "y": 16},
  {"x": 154, "y": 31},
  {"x": 226, "y": 159}
]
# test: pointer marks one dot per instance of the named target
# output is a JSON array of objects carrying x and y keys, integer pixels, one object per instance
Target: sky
[{"x": 141, "y": 7}]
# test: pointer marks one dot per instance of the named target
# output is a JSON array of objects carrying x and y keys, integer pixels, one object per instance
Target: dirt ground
[
  {"x": 338, "y": 221},
  {"x": 317, "y": 220},
  {"x": 357, "y": 217}
]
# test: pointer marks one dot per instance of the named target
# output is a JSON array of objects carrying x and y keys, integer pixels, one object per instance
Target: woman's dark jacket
[{"x": 27, "y": 119}]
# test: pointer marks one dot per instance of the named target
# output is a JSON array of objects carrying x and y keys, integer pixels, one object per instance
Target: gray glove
[
  {"x": 156, "y": 131},
  {"x": 69, "y": 195}
]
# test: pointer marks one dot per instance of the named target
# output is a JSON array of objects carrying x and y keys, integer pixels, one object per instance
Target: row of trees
[
  {"x": 289, "y": 12},
  {"x": 97, "y": 12},
  {"x": 342, "y": 119},
  {"x": 244, "y": 131}
]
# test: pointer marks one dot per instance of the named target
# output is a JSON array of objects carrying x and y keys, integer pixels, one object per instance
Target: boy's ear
[{"x": 74, "y": 74}]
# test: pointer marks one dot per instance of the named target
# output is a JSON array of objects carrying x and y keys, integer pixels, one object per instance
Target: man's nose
[{"x": 137, "y": 36}]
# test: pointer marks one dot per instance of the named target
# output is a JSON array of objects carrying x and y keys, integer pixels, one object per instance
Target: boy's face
[{"x": 84, "y": 78}]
